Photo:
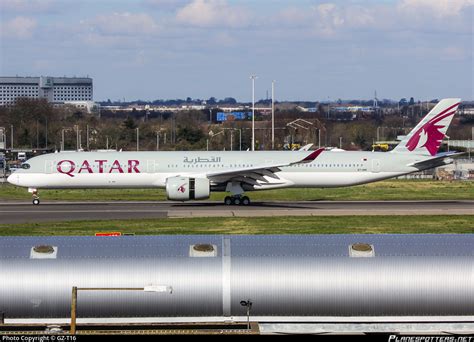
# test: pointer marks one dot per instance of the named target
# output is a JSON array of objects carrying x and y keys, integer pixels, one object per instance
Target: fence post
[{"x": 73, "y": 310}]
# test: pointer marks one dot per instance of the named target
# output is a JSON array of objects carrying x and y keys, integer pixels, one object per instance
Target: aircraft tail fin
[{"x": 426, "y": 137}]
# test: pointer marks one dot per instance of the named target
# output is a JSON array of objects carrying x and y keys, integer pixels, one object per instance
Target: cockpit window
[{"x": 25, "y": 166}]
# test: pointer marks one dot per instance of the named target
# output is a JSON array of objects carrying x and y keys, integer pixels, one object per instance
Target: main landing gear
[{"x": 237, "y": 200}]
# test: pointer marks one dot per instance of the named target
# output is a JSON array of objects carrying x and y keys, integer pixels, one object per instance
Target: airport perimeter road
[{"x": 25, "y": 212}]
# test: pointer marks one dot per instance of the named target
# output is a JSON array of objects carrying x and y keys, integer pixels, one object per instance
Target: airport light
[
  {"x": 212, "y": 135},
  {"x": 231, "y": 137},
  {"x": 247, "y": 303},
  {"x": 253, "y": 78},
  {"x": 149, "y": 288}
]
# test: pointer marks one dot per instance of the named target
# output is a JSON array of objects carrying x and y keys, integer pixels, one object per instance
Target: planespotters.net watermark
[{"x": 395, "y": 338}]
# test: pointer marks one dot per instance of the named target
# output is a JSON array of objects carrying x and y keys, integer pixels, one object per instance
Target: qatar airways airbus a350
[{"x": 193, "y": 175}]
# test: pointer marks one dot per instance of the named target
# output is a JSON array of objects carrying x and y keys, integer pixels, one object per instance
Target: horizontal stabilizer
[{"x": 439, "y": 160}]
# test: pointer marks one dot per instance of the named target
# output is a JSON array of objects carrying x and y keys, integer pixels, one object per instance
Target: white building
[{"x": 54, "y": 89}]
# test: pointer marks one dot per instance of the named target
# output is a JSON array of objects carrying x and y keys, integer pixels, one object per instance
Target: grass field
[
  {"x": 256, "y": 225},
  {"x": 386, "y": 190}
]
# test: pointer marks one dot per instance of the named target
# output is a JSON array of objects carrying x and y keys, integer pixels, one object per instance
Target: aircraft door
[
  {"x": 49, "y": 166},
  {"x": 376, "y": 165},
  {"x": 152, "y": 166}
]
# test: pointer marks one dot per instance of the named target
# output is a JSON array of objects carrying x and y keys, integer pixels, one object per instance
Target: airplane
[{"x": 194, "y": 175}]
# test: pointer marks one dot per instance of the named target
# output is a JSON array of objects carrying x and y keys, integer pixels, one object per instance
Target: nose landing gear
[{"x": 34, "y": 193}]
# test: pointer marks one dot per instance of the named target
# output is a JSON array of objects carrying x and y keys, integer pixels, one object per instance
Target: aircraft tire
[
  {"x": 36, "y": 201},
  {"x": 228, "y": 200}
]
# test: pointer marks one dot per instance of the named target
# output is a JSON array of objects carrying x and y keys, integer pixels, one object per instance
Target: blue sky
[{"x": 315, "y": 50}]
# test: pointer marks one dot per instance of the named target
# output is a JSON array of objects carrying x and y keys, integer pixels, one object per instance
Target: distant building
[
  {"x": 88, "y": 106},
  {"x": 352, "y": 109},
  {"x": 3, "y": 145},
  {"x": 54, "y": 89}
]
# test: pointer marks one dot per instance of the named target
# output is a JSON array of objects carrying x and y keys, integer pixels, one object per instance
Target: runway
[{"x": 25, "y": 212}]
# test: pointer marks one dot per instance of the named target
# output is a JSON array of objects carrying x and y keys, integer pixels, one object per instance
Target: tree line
[{"x": 39, "y": 124}]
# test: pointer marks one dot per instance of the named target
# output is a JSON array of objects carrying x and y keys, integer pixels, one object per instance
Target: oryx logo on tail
[
  {"x": 427, "y": 136},
  {"x": 431, "y": 134}
]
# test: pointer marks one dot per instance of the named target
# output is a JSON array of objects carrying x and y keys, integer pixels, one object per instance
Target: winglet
[{"x": 312, "y": 156}]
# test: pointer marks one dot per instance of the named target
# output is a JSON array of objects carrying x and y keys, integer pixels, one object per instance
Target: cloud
[
  {"x": 165, "y": 4},
  {"x": 122, "y": 24},
  {"x": 19, "y": 27},
  {"x": 436, "y": 8},
  {"x": 453, "y": 53},
  {"x": 331, "y": 18},
  {"x": 208, "y": 13},
  {"x": 26, "y": 5}
]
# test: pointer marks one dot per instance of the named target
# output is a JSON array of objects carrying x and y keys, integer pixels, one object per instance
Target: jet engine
[{"x": 185, "y": 188}]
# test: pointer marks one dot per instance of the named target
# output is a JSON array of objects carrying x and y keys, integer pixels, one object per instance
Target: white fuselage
[{"x": 152, "y": 169}]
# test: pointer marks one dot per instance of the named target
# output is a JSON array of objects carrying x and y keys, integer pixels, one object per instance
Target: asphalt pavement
[{"x": 25, "y": 212}]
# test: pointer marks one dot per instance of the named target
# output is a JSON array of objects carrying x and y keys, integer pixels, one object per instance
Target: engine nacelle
[{"x": 185, "y": 188}]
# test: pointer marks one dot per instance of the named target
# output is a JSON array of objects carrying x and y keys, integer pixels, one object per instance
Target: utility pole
[
  {"x": 231, "y": 139},
  {"x": 240, "y": 139},
  {"x": 77, "y": 138},
  {"x": 157, "y": 140},
  {"x": 253, "y": 77},
  {"x": 62, "y": 140},
  {"x": 37, "y": 134},
  {"x": 273, "y": 114},
  {"x": 87, "y": 137},
  {"x": 138, "y": 139},
  {"x": 319, "y": 137},
  {"x": 329, "y": 107},
  {"x": 46, "y": 134},
  {"x": 11, "y": 133}
]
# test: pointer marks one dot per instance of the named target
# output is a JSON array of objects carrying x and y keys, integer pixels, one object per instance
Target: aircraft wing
[
  {"x": 439, "y": 160},
  {"x": 251, "y": 175}
]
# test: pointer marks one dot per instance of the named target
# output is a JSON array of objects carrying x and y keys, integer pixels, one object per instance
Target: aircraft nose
[{"x": 13, "y": 179}]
